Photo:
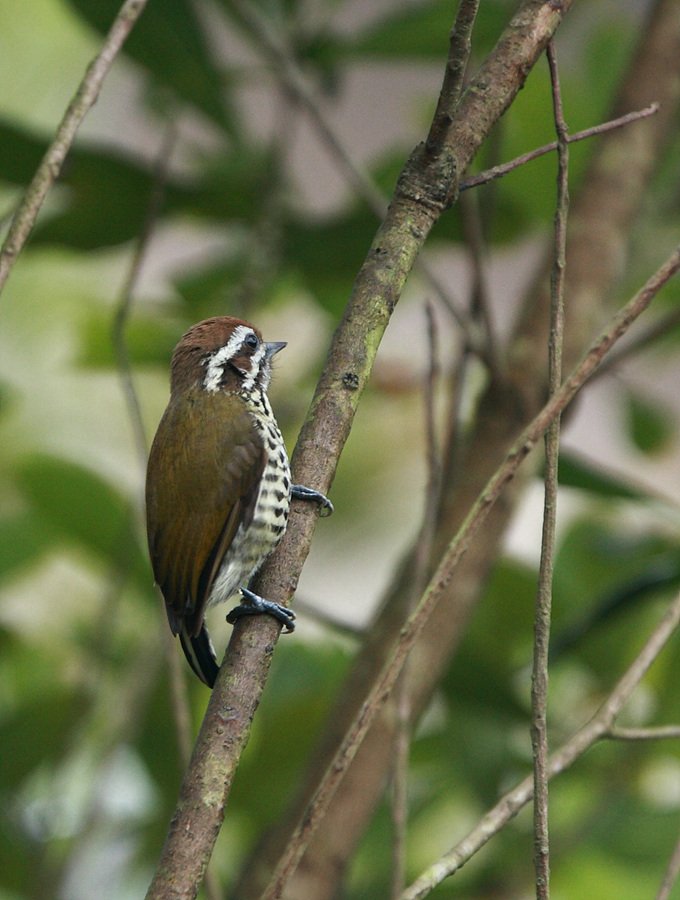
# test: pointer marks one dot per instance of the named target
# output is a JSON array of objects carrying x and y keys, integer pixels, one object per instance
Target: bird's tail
[{"x": 200, "y": 654}]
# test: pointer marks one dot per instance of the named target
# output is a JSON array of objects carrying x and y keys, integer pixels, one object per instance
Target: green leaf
[
  {"x": 24, "y": 539},
  {"x": 37, "y": 731},
  {"x": 650, "y": 426},
  {"x": 168, "y": 40},
  {"x": 578, "y": 473},
  {"x": 148, "y": 340},
  {"x": 77, "y": 504},
  {"x": 109, "y": 193},
  {"x": 328, "y": 255}
]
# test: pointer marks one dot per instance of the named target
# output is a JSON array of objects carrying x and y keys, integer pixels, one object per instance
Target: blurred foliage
[{"x": 90, "y": 761}]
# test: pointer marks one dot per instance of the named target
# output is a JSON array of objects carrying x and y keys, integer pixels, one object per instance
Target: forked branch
[{"x": 600, "y": 726}]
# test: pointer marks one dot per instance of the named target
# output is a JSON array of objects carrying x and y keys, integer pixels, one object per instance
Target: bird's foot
[
  {"x": 254, "y": 605},
  {"x": 300, "y": 492}
]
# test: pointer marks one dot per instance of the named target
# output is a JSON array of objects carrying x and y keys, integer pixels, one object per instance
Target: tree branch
[
  {"x": 661, "y": 733},
  {"x": 402, "y": 743},
  {"x": 505, "y": 168}
]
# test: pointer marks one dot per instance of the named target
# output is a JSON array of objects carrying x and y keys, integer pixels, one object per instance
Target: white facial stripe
[
  {"x": 216, "y": 363},
  {"x": 257, "y": 357}
]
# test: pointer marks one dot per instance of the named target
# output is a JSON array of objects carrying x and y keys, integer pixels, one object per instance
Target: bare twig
[
  {"x": 399, "y": 808},
  {"x": 481, "y": 300},
  {"x": 415, "y": 623},
  {"x": 503, "y": 169},
  {"x": 50, "y": 167},
  {"x": 459, "y": 54},
  {"x": 598, "y": 727},
  {"x": 421, "y": 564},
  {"x": 178, "y": 693},
  {"x": 122, "y": 312},
  {"x": 641, "y": 341},
  {"x": 661, "y": 733},
  {"x": 539, "y": 681},
  {"x": 179, "y": 696},
  {"x": 670, "y": 875}
]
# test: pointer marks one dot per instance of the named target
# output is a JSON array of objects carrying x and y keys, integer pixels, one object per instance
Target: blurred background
[{"x": 201, "y": 184}]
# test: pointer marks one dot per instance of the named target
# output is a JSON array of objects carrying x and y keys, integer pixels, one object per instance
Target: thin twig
[
  {"x": 660, "y": 733},
  {"x": 641, "y": 341},
  {"x": 597, "y": 728},
  {"x": 178, "y": 692},
  {"x": 415, "y": 623},
  {"x": 50, "y": 167},
  {"x": 671, "y": 874},
  {"x": 503, "y": 169},
  {"x": 421, "y": 562},
  {"x": 481, "y": 300},
  {"x": 179, "y": 695},
  {"x": 124, "y": 307},
  {"x": 539, "y": 681},
  {"x": 459, "y": 54}
]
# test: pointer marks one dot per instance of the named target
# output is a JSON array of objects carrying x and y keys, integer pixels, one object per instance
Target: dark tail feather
[{"x": 200, "y": 653}]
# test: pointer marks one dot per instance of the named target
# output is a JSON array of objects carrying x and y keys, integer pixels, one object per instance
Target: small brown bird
[{"x": 218, "y": 485}]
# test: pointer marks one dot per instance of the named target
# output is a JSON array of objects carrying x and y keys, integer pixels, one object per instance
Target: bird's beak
[{"x": 274, "y": 348}]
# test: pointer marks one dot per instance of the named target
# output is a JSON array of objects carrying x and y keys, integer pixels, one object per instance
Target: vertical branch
[
  {"x": 50, "y": 167},
  {"x": 122, "y": 313},
  {"x": 459, "y": 52},
  {"x": 539, "y": 687},
  {"x": 421, "y": 564},
  {"x": 481, "y": 306}
]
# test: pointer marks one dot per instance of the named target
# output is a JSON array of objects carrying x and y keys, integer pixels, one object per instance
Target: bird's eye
[{"x": 251, "y": 342}]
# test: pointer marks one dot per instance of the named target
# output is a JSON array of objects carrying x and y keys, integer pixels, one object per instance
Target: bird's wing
[{"x": 202, "y": 483}]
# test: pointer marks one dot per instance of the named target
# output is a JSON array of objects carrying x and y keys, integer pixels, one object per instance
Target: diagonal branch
[
  {"x": 50, "y": 167},
  {"x": 504, "y": 168}
]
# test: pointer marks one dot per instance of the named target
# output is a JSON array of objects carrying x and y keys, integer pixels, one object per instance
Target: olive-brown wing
[{"x": 205, "y": 467}]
